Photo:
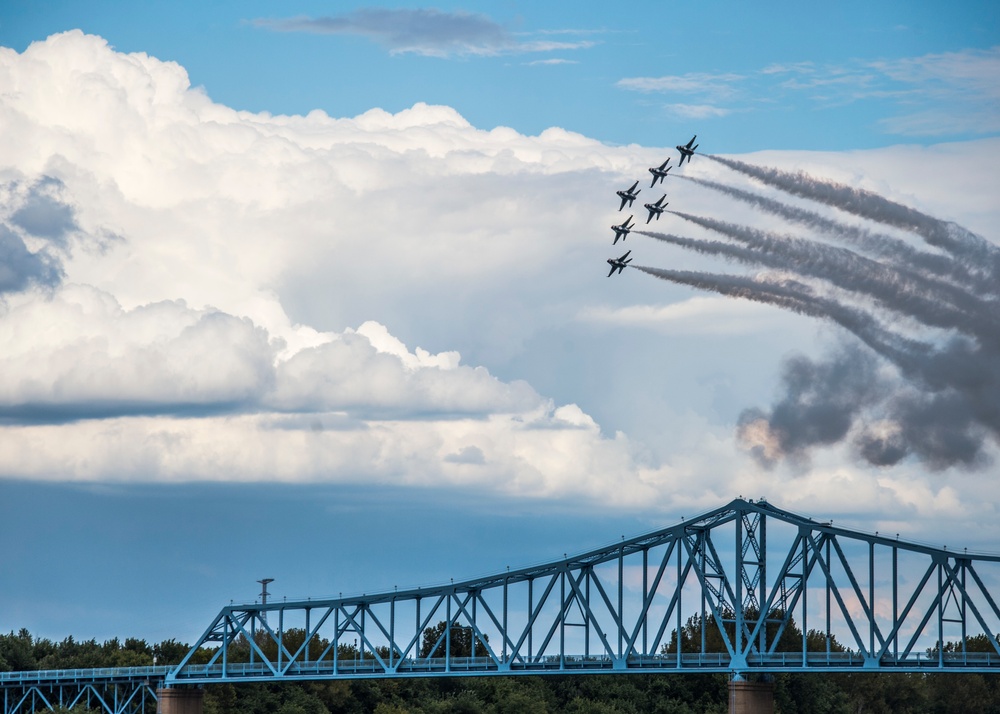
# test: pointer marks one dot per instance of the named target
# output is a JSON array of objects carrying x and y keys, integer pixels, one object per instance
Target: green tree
[
  {"x": 463, "y": 642},
  {"x": 170, "y": 651},
  {"x": 16, "y": 652}
]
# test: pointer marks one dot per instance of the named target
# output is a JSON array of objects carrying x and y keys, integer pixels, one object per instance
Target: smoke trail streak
[
  {"x": 878, "y": 244},
  {"x": 930, "y": 301},
  {"x": 939, "y": 401},
  {"x": 798, "y": 298},
  {"x": 958, "y": 241}
]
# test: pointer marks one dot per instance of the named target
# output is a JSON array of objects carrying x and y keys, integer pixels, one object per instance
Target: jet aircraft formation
[{"x": 629, "y": 195}]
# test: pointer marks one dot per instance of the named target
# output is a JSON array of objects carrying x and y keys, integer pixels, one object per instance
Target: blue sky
[
  {"x": 779, "y": 76},
  {"x": 317, "y": 291}
]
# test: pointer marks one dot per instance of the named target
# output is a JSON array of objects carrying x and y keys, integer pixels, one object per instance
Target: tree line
[{"x": 668, "y": 693}]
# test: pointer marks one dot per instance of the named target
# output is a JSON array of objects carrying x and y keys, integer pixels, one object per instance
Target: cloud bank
[
  {"x": 199, "y": 293},
  {"x": 171, "y": 354}
]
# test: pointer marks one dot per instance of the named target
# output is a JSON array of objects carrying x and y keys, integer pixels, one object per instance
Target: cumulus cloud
[
  {"x": 97, "y": 360},
  {"x": 421, "y": 31},
  {"x": 242, "y": 304},
  {"x": 290, "y": 296}
]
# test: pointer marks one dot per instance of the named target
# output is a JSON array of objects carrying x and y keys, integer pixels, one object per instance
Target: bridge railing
[{"x": 97, "y": 674}]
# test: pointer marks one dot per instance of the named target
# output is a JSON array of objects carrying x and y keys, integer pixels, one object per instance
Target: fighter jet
[
  {"x": 628, "y": 195},
  {"x": 655, "y": 209},
  {"x": 619, "y": 264},
  {"x": 687, "y": 150},
  {"x": 659, "y": 172},
  {"x": 622, "y": 231}
]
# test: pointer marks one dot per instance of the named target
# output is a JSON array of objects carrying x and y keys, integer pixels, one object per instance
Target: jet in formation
[
  {"x": 655, "y": 209},
  {"x": 619, "y": 264},
  {"x": 687, "y": 150},
  {"x": 622, "y": 231},
  {"x": 659, "y": 172},
  {"x": 628, "y": 195}
]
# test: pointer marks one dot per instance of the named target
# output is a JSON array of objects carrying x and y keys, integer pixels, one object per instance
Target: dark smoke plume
[{"x": 936, "y": 398}]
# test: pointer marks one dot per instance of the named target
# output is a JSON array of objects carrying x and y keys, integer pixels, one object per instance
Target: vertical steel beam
[
  {"x": 940, "y": 616},
  {"x": 281, "y": 632},
  {"x": 963, "y": 615},
  {"x": 531, "y": 623},
  {"x": 704, "y": 597},
  {"x": 740, "y": 576},
  {"x": 805, "y": 600},
  {"x": 762, "y": 575},
  {"x": 621, "y": 607},
  {"x": 562, "y": 618},
  {"x": 645, "y": 600},
  {"x": 336, "y": 634},
  {"x": 308, "y": 635},
  {"x": 506, "y": 582},
  {"x": 895, "y": 604},
  {"x": 827, "y": 577},
  {"x": 871, "y": 597},
  {"x": 680, "y": 629}
]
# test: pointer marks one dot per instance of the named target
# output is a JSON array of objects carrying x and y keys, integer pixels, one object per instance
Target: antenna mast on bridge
[{"x": 263, "y": 594}]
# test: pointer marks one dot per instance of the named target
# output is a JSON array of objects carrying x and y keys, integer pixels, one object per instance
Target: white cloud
[
  {"x": 261, "y": 314},
  {"x": 940, "y": 94},
  {"x": 550, "y": 62},
  {"x": 697, "y": 111},
  {"x": 80, "y": 351},
  {"x": 720, "y": 86}
]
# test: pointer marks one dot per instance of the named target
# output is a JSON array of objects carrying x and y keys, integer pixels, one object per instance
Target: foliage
[{"x": 868, "y": 692}]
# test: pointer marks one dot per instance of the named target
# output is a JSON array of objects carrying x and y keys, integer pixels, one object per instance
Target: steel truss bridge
[{"x": 751, "y": 587}]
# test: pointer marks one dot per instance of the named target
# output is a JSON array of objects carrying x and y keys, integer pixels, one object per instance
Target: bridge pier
[
  {"x": 171, "y": 700},
  {"x": 751, "y": 697}
]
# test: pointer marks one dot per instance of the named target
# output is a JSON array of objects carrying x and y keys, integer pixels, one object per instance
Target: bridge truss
[
  {"x": 120, "y": 690},
  {"x": 744, "y": 588},
  {"x": 748, "y": 586}
]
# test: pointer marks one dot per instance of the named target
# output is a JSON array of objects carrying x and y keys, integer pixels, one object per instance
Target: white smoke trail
[
  {"x": 930, "y": 301},
  {"x": 960, "y": 242},
  {"x": 877, "y": 244},
  {"x": 943, "y": 405}
]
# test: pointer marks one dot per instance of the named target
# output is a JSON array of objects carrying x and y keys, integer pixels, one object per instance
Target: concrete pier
[
  {"x": 179, "y": 701},
  {"x": 751, "y": 697}
]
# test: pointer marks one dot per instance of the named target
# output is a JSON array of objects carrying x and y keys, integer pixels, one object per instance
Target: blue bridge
[{"x": 745, "y": 588}]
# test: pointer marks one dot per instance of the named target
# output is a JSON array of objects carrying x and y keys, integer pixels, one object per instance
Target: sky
[{"x": 318, "y": 292}]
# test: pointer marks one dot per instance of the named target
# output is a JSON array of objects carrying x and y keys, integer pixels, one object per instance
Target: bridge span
[{"x": 746, "y": 589}]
